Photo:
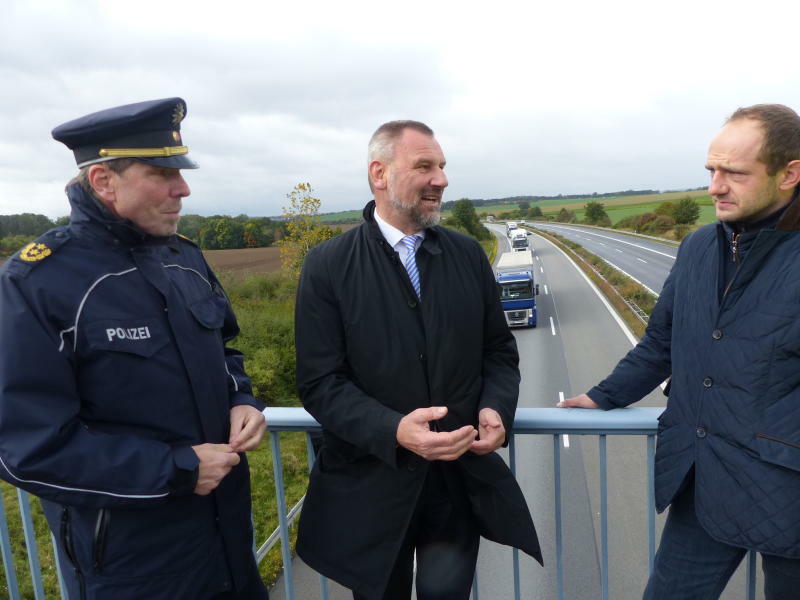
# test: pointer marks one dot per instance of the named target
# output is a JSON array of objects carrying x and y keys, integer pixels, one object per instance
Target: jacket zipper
[
  {"x": 99, "y": 545},
  {"x": 737, "y": 262},
  {"x": 69, "y": 550},
  {"x": 735, "y": 247},
  {"x": 774, "y": 439}
]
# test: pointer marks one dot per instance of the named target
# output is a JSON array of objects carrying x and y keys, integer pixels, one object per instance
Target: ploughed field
[{"x": 243, "y": 262}]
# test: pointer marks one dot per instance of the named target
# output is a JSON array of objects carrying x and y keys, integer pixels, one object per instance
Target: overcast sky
[{"x": 524, "y": 97}]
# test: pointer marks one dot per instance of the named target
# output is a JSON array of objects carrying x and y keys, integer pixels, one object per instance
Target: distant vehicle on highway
[
  {"x": 519, "y": 240},
  {"x": 510, "y": 226},
  {"x": 517, "y": 288}
]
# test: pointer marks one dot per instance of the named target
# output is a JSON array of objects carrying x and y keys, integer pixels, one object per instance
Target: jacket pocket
[
  {"x": 210, "y": 311},
  {"x": 141, "y": 336},
  {"x": 778, "y": 451}
]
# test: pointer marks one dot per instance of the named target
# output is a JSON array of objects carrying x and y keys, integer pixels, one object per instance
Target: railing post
[
  {"x": 604, "y": 516},
  {"x": 512, "y": 457},
  {"x": 557, "y": 488},
  {"x": 751, "y": 575},
  {"x": 30, "y": 542},
  {"x": 323, "y": 581},
  {"x": 8, "y": 555},
  {"x": 286, "y": 550},
  {"x": 651, "y": 503}
]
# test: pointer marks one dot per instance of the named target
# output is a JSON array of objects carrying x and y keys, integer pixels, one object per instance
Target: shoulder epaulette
[
  {"x": 183, "y": 238},
  {"x": 38, "y": 250}
]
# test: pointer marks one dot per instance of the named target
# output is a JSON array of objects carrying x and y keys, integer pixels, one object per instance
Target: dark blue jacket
[
  {"x": 113, "y": 365},
  {"x": 734, "y": 400}
]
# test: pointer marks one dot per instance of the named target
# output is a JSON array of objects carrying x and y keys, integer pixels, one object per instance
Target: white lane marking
[
  {"x": 552, "y": 326},
  {"x": 601, "y": 243},
  {"x": 545, "y": 290},
  {"x": 608, "y": 237},
  {"x": 541, "y": 270},
  {"x": 628, "y": 333},
  {"x": 609, "y": 263},
  {"x": 641, "y": 260},
  {"x": 617, "y": 250},
  {"x": 538, "y": 259},
  {"x": 564, "y": 437},
  {"x": 611, "y": 311}
]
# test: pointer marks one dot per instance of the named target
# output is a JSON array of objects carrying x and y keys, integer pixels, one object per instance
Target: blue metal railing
[
  {"x": 541, "y": 421},
  {"x": 538, "y": 421}
]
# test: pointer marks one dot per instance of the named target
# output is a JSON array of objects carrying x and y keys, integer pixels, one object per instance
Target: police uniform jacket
[
  {"x": 114, "y": 364},
  {"x": 734, "y": 401},
  {"x": 368, "y": 353}
]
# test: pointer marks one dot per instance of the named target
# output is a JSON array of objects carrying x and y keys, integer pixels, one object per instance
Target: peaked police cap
[{"x": 145, "y": 131}]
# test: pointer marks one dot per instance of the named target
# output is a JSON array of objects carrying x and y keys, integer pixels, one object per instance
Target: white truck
[
  {"x": 517, "y": 289},
  {"x": 519, "y": 240},
  {"x": 510, "y": 226}
]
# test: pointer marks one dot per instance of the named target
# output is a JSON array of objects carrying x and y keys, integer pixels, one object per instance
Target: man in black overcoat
[{"x": 405, "y": 358}]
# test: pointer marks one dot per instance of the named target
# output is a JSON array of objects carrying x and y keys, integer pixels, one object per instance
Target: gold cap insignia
[
  {"x": 176, "y": 136},
  {"x": 33, "y": 252},
  {"x": 178, "y": 113}
]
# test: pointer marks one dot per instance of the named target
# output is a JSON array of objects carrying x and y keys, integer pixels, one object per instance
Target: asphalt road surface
[{"x": 647, "y": 261}]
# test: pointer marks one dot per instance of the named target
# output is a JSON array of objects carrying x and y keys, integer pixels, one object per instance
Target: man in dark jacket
[
  {"x": 726, "y": 330},
  {"x": 405, "y": 358},
  {"x": 120, "y": 406}
]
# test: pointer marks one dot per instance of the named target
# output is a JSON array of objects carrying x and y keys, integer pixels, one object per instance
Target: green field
[
  {"x": 617, "y": 207},
  {"x": 618, "y": 212}
]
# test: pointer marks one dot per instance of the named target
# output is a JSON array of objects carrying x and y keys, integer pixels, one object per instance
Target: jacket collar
[
  {"x": 790, "y": 220},
  {"x": 430, "y": 243},
  {"x": 89, "y": 216}
]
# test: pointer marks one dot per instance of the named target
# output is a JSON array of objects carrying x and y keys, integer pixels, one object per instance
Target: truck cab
[
  {"x": 510, "y": 226},
  {"x": 517, "y": 289},
  {"x": 519, "y": 240}
]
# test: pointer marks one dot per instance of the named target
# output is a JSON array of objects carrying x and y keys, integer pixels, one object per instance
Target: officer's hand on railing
[
  {"x": 415, "y": 434},
  {"x": 492, "y": 432},
  {"x": 216, "y": 461},
  {"x": 582, "y": 401},
  {"x": 247, "y": 428}
]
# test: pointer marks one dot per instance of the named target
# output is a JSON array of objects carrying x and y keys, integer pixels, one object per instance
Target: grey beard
[{"x": 423, "y": 221}]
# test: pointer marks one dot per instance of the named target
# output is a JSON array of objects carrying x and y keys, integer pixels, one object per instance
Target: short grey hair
[
  {"x": 382, "y": 143},
  {"x": 118, "y": 166}
]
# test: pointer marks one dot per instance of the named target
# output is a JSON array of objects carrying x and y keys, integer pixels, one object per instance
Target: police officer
[{"x": 120, "y": 405}]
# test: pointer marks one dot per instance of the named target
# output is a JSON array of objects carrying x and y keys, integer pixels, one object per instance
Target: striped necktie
[{"x": 410, "y": 242}]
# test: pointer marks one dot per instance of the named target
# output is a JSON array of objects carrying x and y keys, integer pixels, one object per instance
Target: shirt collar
[{"x": 391, "y": 233}]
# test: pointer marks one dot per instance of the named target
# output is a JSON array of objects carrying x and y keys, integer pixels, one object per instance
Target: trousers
[
  {"x": 445, "y": 537},
  {"x": 691, "y": 565}
]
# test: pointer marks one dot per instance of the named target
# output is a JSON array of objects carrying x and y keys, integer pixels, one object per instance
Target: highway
[
  {"x": 647, "y": 261},
  {"x": 578, "y": 341},
  {"x": 582, "y": 345}
]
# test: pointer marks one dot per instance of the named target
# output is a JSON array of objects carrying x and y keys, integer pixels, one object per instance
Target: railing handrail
[{"x": 625, "y": 421}]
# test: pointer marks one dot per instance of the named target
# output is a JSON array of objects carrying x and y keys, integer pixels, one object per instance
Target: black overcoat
[{"x": 368, "y": 353}]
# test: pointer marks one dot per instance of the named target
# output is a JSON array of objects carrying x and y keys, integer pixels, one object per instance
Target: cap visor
[{"x": 180, "y": 161}]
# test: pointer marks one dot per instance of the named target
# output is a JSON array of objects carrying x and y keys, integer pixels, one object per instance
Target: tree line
[
  {"x": 220, "y": 232},
  {"x": 210, "y": 233}
]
